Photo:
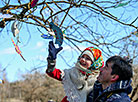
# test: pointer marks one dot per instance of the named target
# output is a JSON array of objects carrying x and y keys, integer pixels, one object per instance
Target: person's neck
[{"x": 105, "y": 85}]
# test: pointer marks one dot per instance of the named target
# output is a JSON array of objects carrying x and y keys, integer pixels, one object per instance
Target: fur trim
[
  {"x": 87, "y": 52},
  {"x": 76, "y": 85}
]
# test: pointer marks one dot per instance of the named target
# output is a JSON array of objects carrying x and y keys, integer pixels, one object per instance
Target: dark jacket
[{"x": 116, "y": 92}]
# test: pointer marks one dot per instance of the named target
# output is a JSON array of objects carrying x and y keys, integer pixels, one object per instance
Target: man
[{"x": 113, "y": 82}]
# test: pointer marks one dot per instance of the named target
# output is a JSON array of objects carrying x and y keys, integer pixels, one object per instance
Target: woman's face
[{"x": 85, "y": 61}]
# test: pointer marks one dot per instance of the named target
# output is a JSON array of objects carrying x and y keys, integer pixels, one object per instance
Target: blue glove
[{"x": 53, "y": 51}]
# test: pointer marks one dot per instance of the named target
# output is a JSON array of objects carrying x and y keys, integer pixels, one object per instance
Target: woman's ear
[{"x": 114, "y": 78}]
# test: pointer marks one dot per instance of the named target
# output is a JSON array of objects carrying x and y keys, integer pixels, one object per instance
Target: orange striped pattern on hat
[{"x": 97, "y": 56}]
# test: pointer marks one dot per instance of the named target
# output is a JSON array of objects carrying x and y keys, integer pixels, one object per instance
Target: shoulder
[
  {"x": 121, "y": 97},
  {"x": 95, "y": 92}
]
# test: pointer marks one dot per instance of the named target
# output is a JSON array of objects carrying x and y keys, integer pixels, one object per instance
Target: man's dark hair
[{"x": 121, "y": 67}]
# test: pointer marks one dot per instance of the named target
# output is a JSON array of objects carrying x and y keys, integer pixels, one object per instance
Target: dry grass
[{"x": 11, "y": 100}]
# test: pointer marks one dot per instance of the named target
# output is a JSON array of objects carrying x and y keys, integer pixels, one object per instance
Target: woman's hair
[{"x": 122, "y": 67}]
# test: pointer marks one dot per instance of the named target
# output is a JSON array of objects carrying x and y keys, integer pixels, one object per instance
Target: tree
[
  {"x": 41, "y": 88},
  {"x": 110, "y": 25},
  {"x": 37, "y": 87},
  {"x": 102, "y": 23}
]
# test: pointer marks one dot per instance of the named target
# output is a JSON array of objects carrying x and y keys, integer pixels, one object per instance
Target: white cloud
[
  {"x": 10, "y": 50},
  {"x": 39, "y": 57},
  {"x": 39, "y": 44},
  {"x": 43, "y": 50},
  {"x": 5, "y": 16},
  {"x": 42, "y": 58},
  {"x": 73, "y": 48}
]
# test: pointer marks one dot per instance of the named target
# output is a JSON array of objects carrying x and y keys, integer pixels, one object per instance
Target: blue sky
[
  {"x": 34, "y": 48},
  {"x": 35, "y": 52}
]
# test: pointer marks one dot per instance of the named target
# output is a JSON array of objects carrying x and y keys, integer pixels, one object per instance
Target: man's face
[
  {"x": 105, "y": 74},
  {"x": 85, "y": 61}
]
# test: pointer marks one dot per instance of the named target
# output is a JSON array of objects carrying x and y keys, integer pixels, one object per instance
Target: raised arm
[{"x": 51, "y": 59}]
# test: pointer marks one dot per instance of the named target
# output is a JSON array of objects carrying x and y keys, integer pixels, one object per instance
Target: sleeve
[
  {"x": 56, "y": 74},
  {"x": 51, "y": 65},
  {"x": 65, "y": 99},
  {"x": 52, "y": 71}
]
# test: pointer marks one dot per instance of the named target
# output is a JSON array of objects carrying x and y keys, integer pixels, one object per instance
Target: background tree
[
  {"x": 38, "y": 87},
  {"x": 102, "y": 23},
  {"x": 34, "y": 87}
]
